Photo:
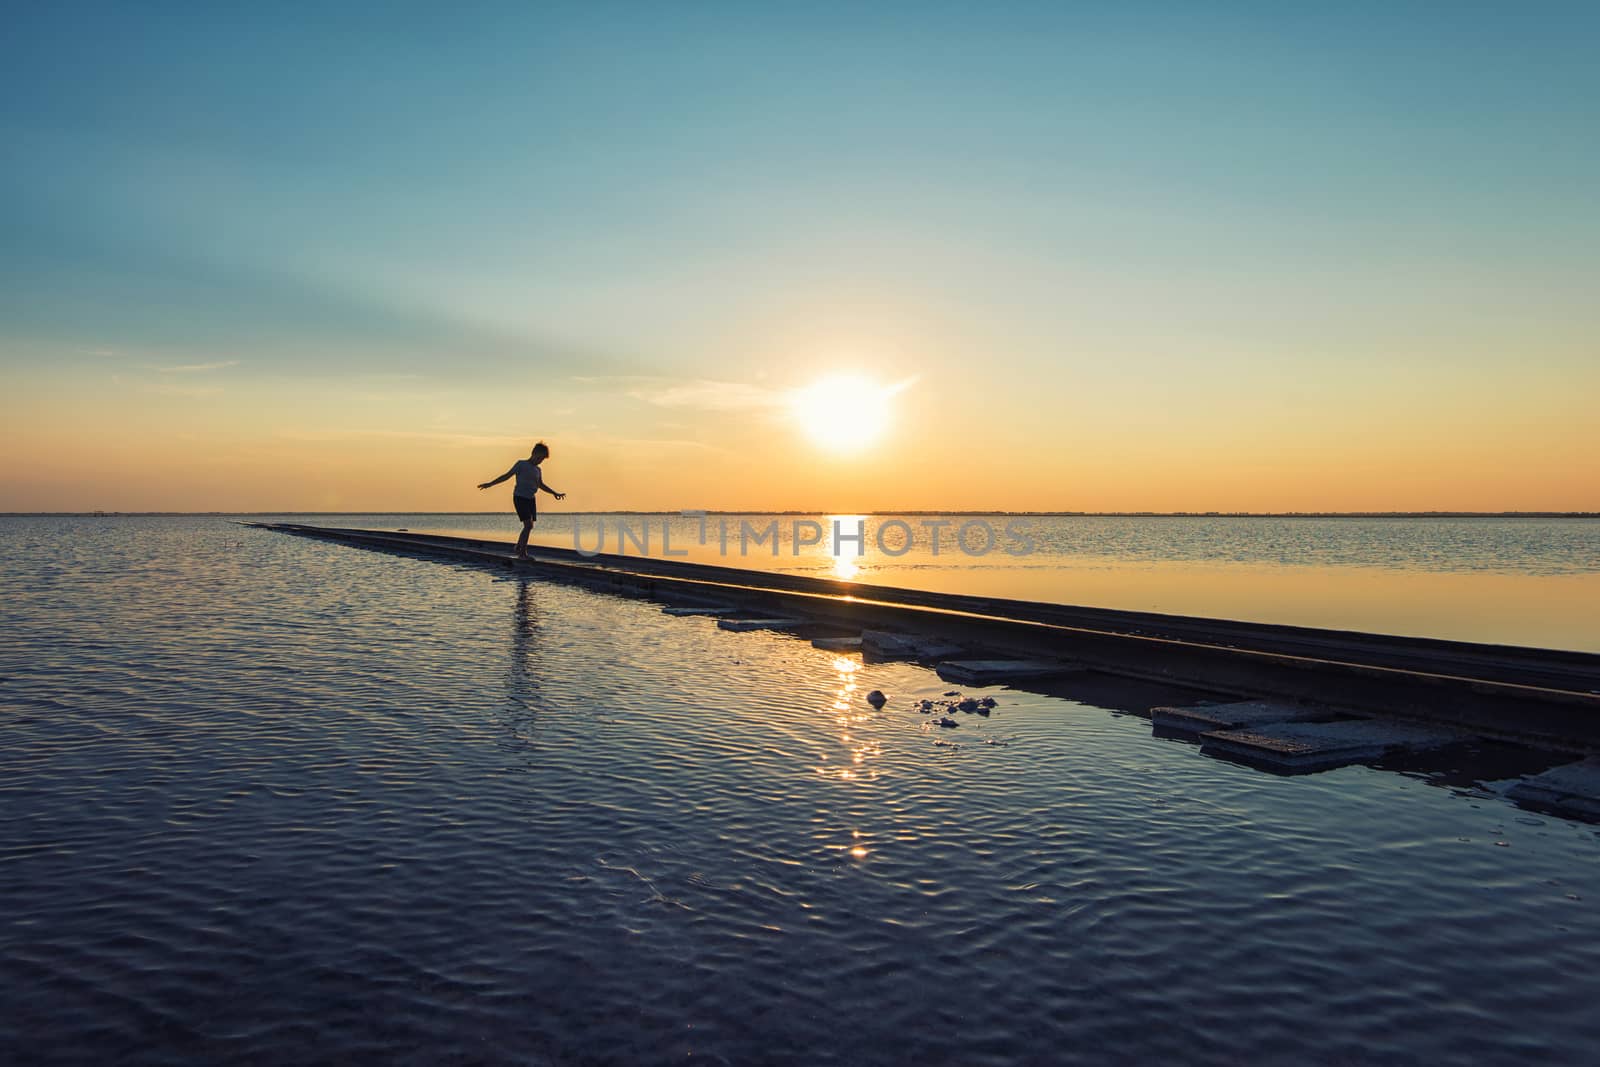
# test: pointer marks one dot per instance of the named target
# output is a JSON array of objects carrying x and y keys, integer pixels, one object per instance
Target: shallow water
[
  {"x": 1519, "y": 581},
  {"x": 276, "y": 799}
]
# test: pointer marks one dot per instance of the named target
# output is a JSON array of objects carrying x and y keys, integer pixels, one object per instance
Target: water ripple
[{"x": 270, "y": 799}]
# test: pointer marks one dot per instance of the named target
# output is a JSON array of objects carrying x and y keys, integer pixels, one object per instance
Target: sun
[{"x": 844, "y": 413}]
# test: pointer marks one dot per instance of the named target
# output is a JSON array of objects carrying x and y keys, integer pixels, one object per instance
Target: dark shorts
[{"x": 527, "y": 508}]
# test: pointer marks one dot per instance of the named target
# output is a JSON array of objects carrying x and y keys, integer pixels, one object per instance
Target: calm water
[
  {"x": 278, "y": 800},
  {"x": 1511, "y": 581}
]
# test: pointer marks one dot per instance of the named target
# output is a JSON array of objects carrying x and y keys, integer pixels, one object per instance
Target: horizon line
[{"x": 1556, "y": 514}]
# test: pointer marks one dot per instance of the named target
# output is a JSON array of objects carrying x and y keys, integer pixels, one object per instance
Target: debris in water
[
  {"x": 967, "y": 705},
  {"x": 953, "y": 693},
  {"x": 947, "y": 722},
  {"x": 876, "y": 698}
]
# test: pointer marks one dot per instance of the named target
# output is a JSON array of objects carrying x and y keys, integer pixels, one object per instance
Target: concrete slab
[
  {"x": 1302, "y": 747},
  {"x": 837, "y": 644},
  {"x": 1000, "y": 671},
  {"x": 1571, "y": 789},
  {"x": 702, "y": 610},
  {"x": 887, "y": 645},
  {"x": 1194, "y": 721},
  {"x": 742, "y": 625}
]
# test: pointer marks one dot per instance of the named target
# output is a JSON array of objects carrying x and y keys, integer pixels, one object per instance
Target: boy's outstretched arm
[
  {"x": 549, "y": 490},
  {"x": 497, "y": 481}
]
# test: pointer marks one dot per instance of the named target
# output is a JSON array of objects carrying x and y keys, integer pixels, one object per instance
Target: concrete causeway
[{"x": 1546, "y": 697}]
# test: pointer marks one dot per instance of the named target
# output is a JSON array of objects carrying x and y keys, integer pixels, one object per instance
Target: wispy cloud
[
  {"x": 706, "y": 394},
  {"x": 195, "y": 368},
  {"x": 184, "y": 390},
  {"x": 896, "y": 388},
  {"x": 613, "y": 379},
  {"x": 452, "y": 440},
  {"x": 710, "y": 395},
  {"x": 655, "y": 443}
]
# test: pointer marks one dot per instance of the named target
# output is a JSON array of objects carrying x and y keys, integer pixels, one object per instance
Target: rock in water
[{"x": 876, "y": 698}]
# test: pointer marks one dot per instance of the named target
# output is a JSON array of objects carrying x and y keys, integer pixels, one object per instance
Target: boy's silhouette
[{"x": 530, "y": 479}]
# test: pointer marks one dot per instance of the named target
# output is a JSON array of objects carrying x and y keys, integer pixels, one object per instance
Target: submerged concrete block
[
  {"x": 887, "y": 645},
  {"x": 1000, "y": 671},
  {"x": 837, "y": 644},
  {"x": 742, "y": 625},
  {"x": 1571, "y": 789},
  {"x": 1204, "y": 719},
  {"x": 1298, "y": 747}
]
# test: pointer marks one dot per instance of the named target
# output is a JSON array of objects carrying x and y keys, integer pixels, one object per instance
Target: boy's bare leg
[{"x": 522, "y": 540}]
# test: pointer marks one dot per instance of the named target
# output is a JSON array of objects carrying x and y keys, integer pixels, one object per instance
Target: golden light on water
[
  {"x": 849, "y": 713},
  {"x": 845, "y": 567}
]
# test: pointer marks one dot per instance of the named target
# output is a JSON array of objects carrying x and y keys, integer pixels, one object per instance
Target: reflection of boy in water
[{"x": 524, "y": 495}]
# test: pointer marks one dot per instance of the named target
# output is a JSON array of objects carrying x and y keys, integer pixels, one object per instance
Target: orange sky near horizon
[{"x": 93, "y": 439}]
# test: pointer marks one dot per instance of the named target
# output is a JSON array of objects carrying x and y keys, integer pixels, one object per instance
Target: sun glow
[{"x": 844, "y": 413}]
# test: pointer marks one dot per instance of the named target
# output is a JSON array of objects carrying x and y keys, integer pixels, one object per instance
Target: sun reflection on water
[
  {"x": 850, "y": 713},
  {"x": 853, "y": 716},
  {"x": 845, "y": 567}
]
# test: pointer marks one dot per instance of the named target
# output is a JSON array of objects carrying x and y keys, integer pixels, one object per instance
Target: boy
[{"x": 523, "y": 496}]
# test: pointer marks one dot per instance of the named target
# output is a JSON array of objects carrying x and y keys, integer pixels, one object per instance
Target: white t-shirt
[{"x": 528, "y": 478}]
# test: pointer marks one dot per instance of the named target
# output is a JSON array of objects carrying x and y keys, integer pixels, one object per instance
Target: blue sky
[{"x": 521, "y": 194}]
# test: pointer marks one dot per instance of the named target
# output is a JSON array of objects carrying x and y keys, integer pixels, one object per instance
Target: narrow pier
[{"x": 1547, "y": 697}]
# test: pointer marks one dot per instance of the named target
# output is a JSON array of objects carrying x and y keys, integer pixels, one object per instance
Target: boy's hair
[{"x": 542, "y": 448}]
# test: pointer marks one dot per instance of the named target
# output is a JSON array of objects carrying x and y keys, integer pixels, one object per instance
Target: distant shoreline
[{"x": 908, "y": 512}]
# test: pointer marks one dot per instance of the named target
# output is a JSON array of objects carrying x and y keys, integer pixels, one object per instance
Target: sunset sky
[{"x": 1053, "y": 256}]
